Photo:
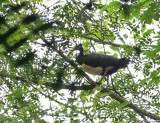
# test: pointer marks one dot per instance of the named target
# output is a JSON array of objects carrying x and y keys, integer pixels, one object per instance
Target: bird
[
  {"x": 100, "y": 64},
  {"x": 89, "y": 5}
]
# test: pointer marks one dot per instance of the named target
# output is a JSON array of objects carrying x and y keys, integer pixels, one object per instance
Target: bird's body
[{"x": 99, "y": 64}]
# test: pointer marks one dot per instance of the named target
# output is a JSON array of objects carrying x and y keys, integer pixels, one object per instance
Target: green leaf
[
  {"x": 112, "y": 7},
  {"x": 100, "y": 52},
  {"x": 124, "y": 104},
  {"x": 149, "y": 84},
  {"x": 143, "y": 81},
  {"x": 115, "y": 55},
  {"x": 156, "y": 80}
]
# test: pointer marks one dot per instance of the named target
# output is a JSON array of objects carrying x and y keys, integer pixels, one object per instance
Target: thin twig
[{"x": 99, "y": 41}]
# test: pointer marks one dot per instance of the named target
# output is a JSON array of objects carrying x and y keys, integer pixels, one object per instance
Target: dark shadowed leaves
[
  {"x": 30, "y": 18},
  {"x": 17, "y": 7},
  {"x": 4, "y": 36},
  {"x": 2, "y": 20},
  {"x": 43, "y": 27},
  {"x": 17, "y": 45},
  {"x": 23, "y": 60}
]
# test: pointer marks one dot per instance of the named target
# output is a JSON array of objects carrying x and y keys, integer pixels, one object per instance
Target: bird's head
[{"x": 78, "y": 47}]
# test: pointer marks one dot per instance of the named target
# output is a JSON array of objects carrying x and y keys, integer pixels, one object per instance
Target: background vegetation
[{"x": 40, "y": 81}]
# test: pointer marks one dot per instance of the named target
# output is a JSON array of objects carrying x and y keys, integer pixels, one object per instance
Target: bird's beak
[{"x": 75, "y": 48}]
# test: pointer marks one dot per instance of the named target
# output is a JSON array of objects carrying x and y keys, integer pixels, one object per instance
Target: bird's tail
[{"x": 123, "y": 62}]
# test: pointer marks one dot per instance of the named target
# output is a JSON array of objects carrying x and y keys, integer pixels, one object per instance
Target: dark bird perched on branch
[
  {"x": 89, "y": 5},
  {"x": 100, "y": 64}
]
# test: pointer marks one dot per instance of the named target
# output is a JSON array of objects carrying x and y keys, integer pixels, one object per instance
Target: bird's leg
[
  {"x": 114, "y": 89},
  {"x": 105, "y": 73},
  {"x": 107, "y": 80}
]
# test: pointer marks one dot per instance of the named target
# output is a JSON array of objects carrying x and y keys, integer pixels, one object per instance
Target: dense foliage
[{"x": 40, "y": 80}]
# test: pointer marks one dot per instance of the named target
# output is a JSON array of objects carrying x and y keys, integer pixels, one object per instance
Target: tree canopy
[{"x": 40, "y": 80}]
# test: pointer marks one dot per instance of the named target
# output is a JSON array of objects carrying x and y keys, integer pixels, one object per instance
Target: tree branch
[
  {"x": 56, "y": 86},
  {"x": 105, "y": 42},
  {"x": 131, "y": 105}
]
